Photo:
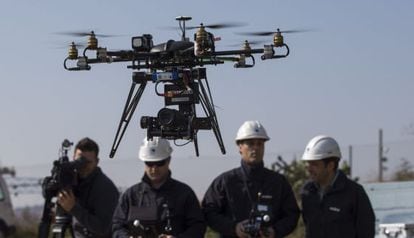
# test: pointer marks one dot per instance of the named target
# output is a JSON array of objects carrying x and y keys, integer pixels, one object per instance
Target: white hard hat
[
  {"x": 321, "y": 147},
  {"x": 156, "y": 149},
  {"x": 251, "y": 130}
]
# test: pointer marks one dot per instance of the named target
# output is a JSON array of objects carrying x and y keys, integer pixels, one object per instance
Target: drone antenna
[{"x": 183, "y": 19}]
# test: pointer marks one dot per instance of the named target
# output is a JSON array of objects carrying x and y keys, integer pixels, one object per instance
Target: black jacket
[
  {"x": 228, "y": 201},
  {"x": 96, "y": 199},
  {"x": 149, "y": 206},
  {"x": 344, "y": 211}
]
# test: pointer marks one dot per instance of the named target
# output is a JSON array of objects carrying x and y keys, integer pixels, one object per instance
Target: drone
[{"x": 179, "y": 65}]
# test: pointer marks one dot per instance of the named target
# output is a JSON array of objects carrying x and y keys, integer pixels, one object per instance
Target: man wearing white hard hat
[
  {"x": 332, "y": 204},
  {"x": 251, "y": 200},
  {"x": 158, "y": 206}
]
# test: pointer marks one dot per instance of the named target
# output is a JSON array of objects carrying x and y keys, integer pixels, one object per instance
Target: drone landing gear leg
[
  {"x": 195, "y": 140},
  {"x": 208, "y": 107},
  {"x": 129, "y": 109}
]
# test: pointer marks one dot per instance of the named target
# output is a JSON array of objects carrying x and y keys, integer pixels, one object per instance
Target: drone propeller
[
  {"x": 251, "y": 42},
  {"x": 268, "y": 33},
  {"x": 218, "y": 26},
  {"x": 75, "y": 44},
  {"x": 84, "y": 33}
]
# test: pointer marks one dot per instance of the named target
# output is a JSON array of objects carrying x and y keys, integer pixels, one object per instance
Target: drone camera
[
  {"x": 142, "y": 43},
  {"x": 181, "y": 123},
  {"x": 173, "y": 124},
  {"x": 168, "y": 124},
  {"x": 171, "y": 118}
]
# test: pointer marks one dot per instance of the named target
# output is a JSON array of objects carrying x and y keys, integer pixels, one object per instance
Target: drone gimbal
[{"x": 179, "y": 66}]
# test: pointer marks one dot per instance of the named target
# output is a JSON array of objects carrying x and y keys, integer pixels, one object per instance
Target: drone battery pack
[{"x": 177, "y": 95}]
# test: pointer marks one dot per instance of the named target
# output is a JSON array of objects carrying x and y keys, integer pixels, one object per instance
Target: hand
[
  {"x": 66, "y": 199},
  {"x": 240, "y": 231},
  {"x": 165, "y": 236},
  {"x": 269, "y": 232}
]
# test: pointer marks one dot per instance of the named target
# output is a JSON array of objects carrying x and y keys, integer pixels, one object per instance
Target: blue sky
[{"x": 349, "y": 76}]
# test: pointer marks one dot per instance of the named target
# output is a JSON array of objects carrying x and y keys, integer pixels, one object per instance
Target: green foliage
[
  {"x": 295, "y": 173},
  {"x": 347, "y": 170},
  {"x": 211, "y": 233},
  {"x": 299, "y": 232},
  {"x": 26, "y": 224},
  {"x": 405, "y": 171}
]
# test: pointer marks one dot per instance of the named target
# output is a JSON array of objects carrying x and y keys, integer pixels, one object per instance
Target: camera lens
[
  {"x": 144, "y": 122},
  {"x": 171, "y": 118}
]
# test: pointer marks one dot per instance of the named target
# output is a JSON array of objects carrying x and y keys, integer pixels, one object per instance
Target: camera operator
[
  {"x": 158, "y": 206},
  {"x": 92, "y": 201},
  {"x": 233, "y": 195}
]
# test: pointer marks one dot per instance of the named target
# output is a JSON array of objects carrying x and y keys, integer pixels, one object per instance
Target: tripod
[
  {"x": 62, "y": 224},
  {"x": 63, "y": 176}
]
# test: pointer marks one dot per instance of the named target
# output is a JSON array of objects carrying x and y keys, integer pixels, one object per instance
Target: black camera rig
[
  {"x": 178, "y": 64},
  {"x": 151, "y": 226},
  {"x": 260, "y": 218},
  {"x": 183, "y": 89},
  {"x": 63, "y": 176}
]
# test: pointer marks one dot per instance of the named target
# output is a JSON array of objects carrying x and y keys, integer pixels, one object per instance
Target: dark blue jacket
[
  {"x": 96, "y": 199},
  {"x": 344, "y": 211},
  {"x": 228, "y": 201},
  {"x": 148, "y": 205}
]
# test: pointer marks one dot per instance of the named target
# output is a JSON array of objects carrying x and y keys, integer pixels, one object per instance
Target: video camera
[
  {"x": 260, "y": 218},
  {"x": 63, "y": 174}
]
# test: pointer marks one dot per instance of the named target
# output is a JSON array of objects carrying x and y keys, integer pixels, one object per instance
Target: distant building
[{"x": 393, "y": 202}]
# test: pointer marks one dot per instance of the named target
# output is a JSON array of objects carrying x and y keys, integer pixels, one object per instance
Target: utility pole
[
  {"x": 350, "y": 160},
  {"x": 380, "y": 155}
]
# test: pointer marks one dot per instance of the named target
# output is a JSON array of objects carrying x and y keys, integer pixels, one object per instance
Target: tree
[
  {"x": 295, "y": 173},
  {"x": 347, "y": 170},
  {"x": 405, "y": 171}
]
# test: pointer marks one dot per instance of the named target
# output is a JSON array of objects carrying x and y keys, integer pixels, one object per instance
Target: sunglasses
[{"x": 156, "y": 163}]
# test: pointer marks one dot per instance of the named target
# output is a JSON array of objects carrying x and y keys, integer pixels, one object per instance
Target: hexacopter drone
[{"x": 178, "y": 65}]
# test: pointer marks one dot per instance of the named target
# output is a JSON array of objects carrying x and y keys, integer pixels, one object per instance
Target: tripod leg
[
  {"x": 44, "y": 226},
  {"x": 60, "y": 233},
  {"x": 71, "y": 232}
]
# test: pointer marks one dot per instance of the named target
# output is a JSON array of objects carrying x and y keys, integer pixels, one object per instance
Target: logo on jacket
[{"x": 334, "y": 209}]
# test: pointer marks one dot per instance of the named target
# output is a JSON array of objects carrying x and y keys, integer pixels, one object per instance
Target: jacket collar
[
  {"x": 145, "y": 179},
  {"x": 91, "y": 176},
  {"x": 338, "y": 183},
  {"x": 252, "y": 171}
]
